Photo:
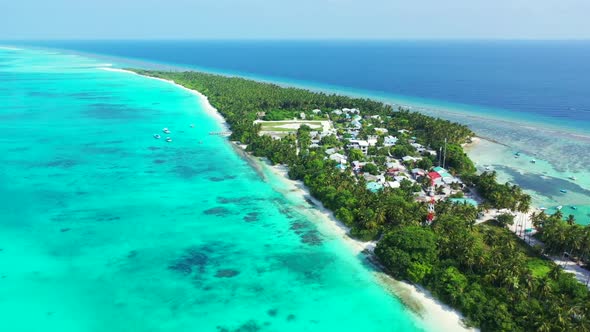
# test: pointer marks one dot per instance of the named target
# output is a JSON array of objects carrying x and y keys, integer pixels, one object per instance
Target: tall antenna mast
[{"x": 445, "y": 154}]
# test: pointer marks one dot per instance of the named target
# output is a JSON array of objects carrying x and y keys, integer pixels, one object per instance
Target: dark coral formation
[
  {"x": 217, "y": 211},
  {"x": 312, "y": 238},
  {"x": 194, "y": 259},
  {"x": 226, "y": 273},
  {"x": 251, "y": 217}
]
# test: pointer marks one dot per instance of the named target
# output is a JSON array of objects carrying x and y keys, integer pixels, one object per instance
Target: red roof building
[{"x": 434, "y": 175}]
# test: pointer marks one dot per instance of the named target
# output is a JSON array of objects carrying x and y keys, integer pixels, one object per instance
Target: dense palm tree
[
  {"x": 544, "y": 286},
  {"x": 571, "y": 219},
  {"x": 555, "y": 272}
]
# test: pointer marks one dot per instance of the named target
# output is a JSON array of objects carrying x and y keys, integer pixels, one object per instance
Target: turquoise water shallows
[
  {"x": 105, "y": 228},
  {"x": 540, "y": 179}
]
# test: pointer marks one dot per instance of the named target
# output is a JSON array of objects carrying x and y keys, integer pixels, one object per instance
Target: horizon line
[{"x": 327, "y": 39}]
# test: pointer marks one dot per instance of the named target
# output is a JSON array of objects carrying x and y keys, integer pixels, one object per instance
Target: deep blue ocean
[{"x": 547, "y": 79}]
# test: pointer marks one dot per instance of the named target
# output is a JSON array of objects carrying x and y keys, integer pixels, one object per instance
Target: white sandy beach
[{"x": 434, "y": 315}]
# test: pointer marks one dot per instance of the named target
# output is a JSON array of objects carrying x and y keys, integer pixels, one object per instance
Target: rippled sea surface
[{"x": 105, "y": 228}]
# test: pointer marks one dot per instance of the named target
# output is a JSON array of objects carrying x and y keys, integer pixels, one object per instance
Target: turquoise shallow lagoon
[{"x": 105, "y": 228}]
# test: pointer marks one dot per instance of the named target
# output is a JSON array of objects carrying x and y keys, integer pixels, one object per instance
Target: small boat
[
  {"x": 192, "y": 125},
  {"x": 166, "y": 131},
  {"x": 542, "y": 208},
  {"x": 573, "y": 207},
  {"x": 563, "y": 191},
  {"x": 573, "y": 178},
  {"x": 156, "y": 136},
  {"x": 517, "y": 154},
  {"x": 533, "y": 161},
  {"x": 168, "y": 139},
  {"x": 559, "y": 207}
]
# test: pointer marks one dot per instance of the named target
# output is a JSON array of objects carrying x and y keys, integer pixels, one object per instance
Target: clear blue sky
[{"x": 300, "y": 19}]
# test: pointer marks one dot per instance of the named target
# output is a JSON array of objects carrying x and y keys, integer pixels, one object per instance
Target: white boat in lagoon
[
  {"x": 573, "y": 178},
  {"x": 156, "y": 136},
  {"x": 166, "y": 131},
  {"x": 168, "y": 139}
]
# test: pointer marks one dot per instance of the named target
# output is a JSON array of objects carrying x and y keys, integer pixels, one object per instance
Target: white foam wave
[{"x": 10, "y": 48}]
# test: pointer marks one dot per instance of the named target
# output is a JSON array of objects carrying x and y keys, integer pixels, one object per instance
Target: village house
[
  {"x": 418, "y": 172},
  {"x": 372, "y": 140},
  {"x": 351, "y": 110},
  {"x": 411, "y": 159},
  {"x": 339, "y": 158},
  {"x": 357, "y": 165},
  {"x": 359, "y": 144},
  {"x": 331, "y": 151},
  {"x": 430, "y": 152},
  {"x": 374, "y": 186},
  {"x": 392, "y": 184},
  {"x": 389, "y": 141}
]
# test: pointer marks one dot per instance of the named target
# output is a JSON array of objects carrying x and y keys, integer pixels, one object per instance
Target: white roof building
[
  {"x": 410, "y": 158},
  {"x": 359, "y": 144},
  {"x": 337, "y": 157},
  {"x": 400, "y": 178},
  {"x": 331, "y": 151},
  {"x": 392, "y": 184}
]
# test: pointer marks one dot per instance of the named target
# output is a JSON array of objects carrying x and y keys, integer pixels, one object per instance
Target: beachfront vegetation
[
  {"x": 562, "y": 237},
  {"x": 501, "y": 196},
  {"x": 498, "y": 282}
]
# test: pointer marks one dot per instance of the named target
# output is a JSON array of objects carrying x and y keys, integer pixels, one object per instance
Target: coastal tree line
[{"x": 485, "y": 271}]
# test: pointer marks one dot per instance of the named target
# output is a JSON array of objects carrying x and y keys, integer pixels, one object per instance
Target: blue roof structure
[{"x": 374, "y": 186}]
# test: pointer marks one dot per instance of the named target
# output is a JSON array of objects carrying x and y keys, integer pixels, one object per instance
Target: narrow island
[{"x": 403, "y": 180}]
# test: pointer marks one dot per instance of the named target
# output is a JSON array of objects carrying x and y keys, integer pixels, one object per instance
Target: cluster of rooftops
[{"x": 435, "y": 183}]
